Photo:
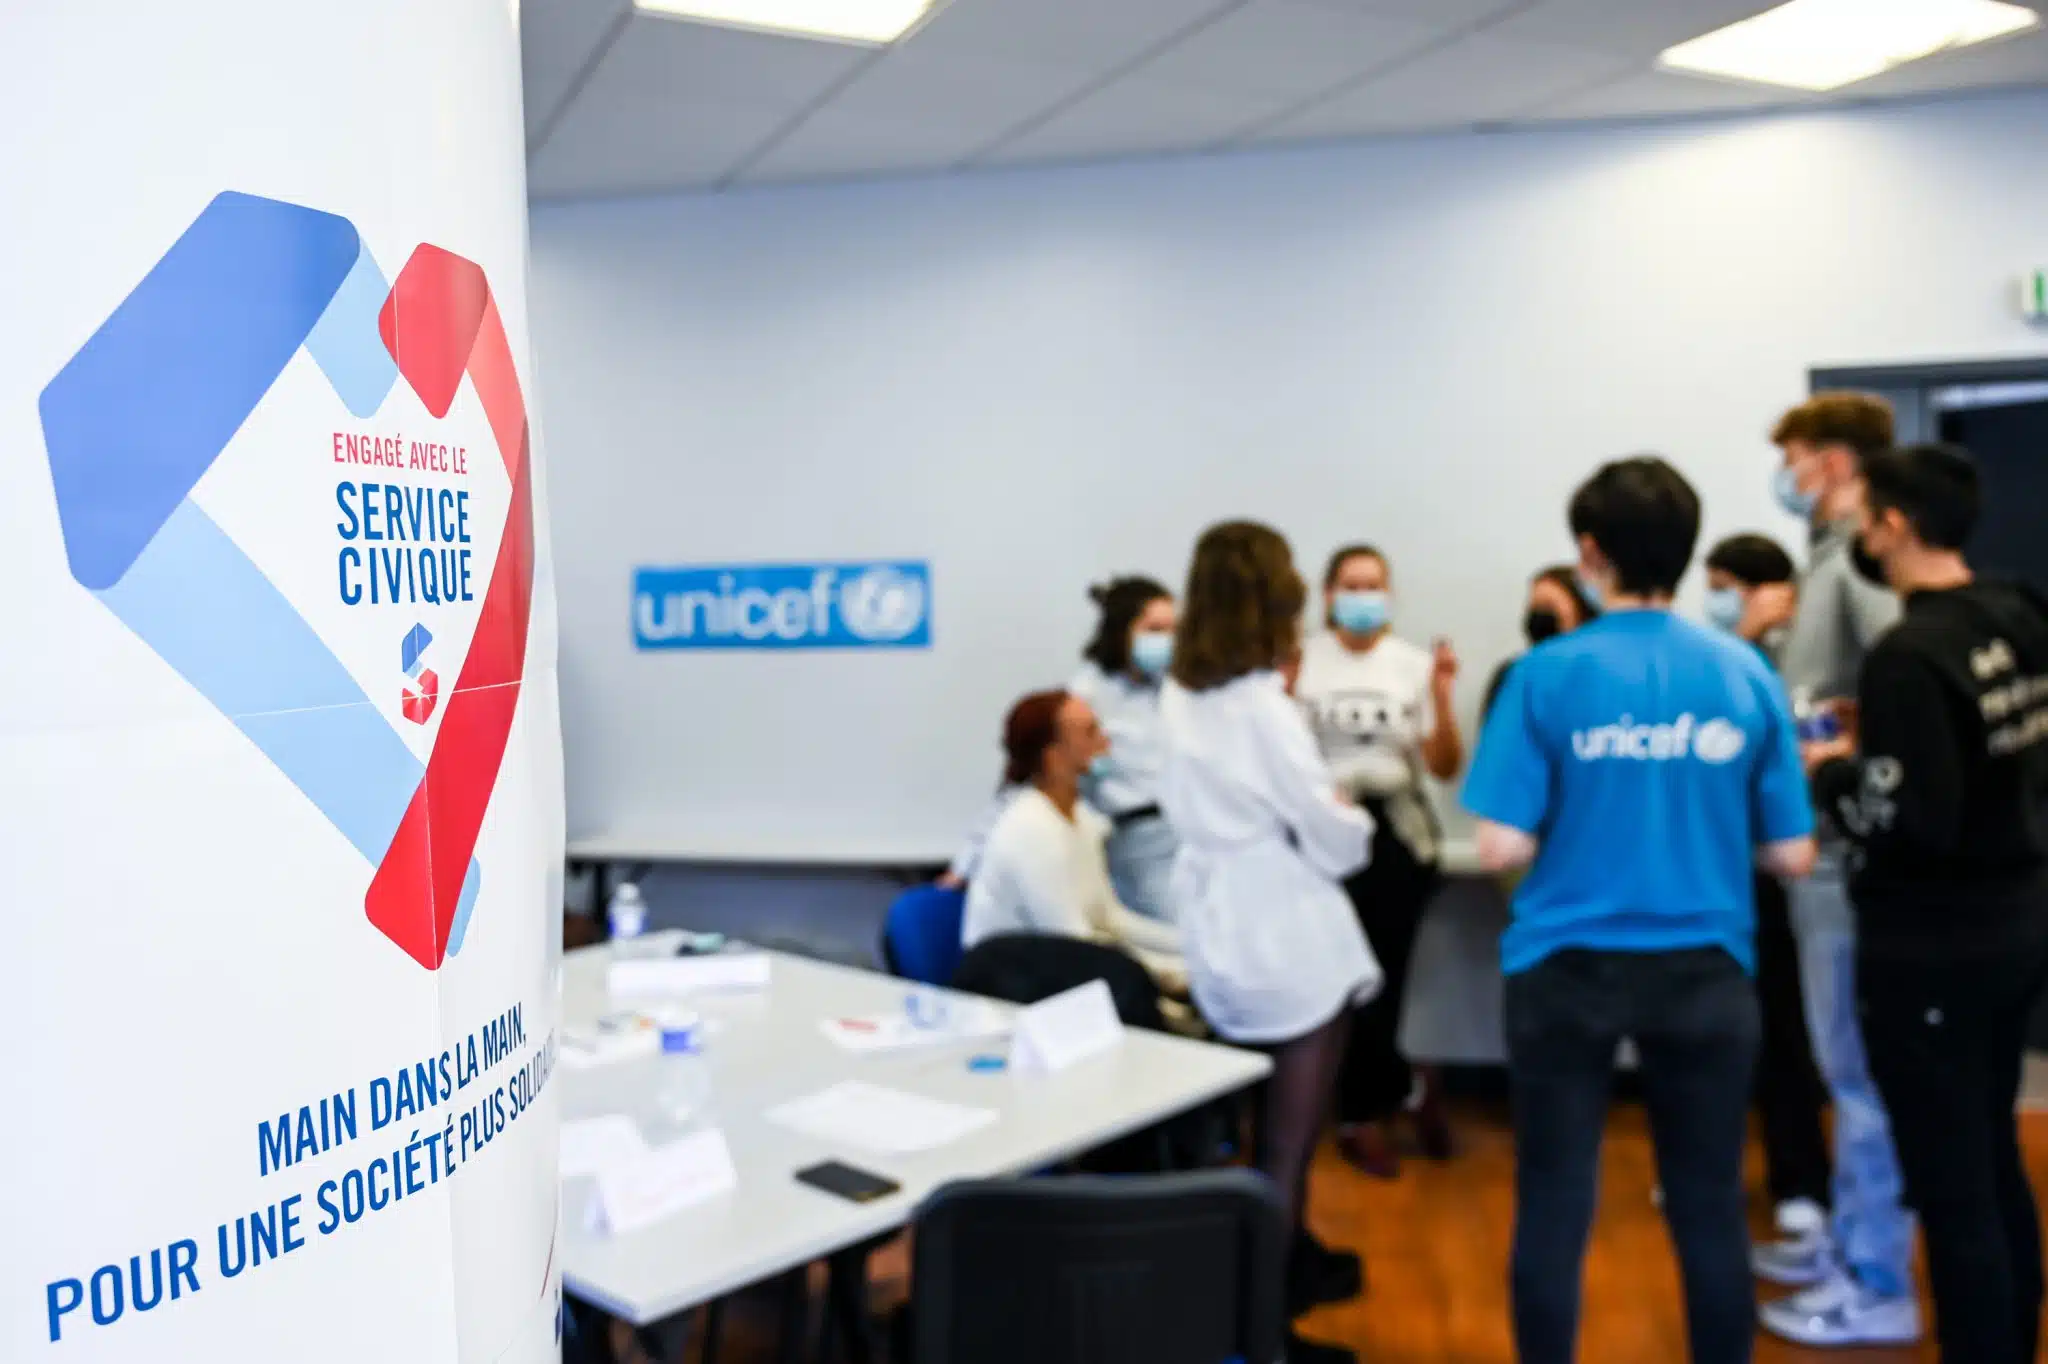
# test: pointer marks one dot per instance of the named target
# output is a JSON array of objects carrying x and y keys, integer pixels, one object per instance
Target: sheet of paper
[
  {"x": 1067, "y": 1029},
  {"x": 684, "y": 975},
  {"x": 662, "y": 1182},
  {"x": 584, "y": 1048},
  {"x": 873, "y": 1118},
  {"x": 965, "y": 1020},
  {"x": 593, "y": 1144}
]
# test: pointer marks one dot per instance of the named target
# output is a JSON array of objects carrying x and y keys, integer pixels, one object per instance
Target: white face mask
[
  {"x": 1152, "y": 652},
  {"x": 1725, "y": 607}
]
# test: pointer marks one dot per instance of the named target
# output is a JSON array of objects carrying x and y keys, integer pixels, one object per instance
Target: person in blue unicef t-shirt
[{"x": 1640, "y": 767}]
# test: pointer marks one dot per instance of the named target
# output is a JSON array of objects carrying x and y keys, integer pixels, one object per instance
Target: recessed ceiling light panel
[
  {"x": 1826, "y": 44},
  {"x": 872, "y": 23}
]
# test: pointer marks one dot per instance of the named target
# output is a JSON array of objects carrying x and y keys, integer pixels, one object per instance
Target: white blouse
[
  {"x": 1041, "y": 872},
  {"x": 1273, "y": 945}
]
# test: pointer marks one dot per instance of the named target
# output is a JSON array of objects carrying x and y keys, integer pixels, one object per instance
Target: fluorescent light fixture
[
  {"x": 1826, "y": 44},
  {"x": 869, "y": 22}
]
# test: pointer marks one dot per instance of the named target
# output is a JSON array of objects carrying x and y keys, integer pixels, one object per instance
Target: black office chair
[
  {"x": 1157, "y": 1269},
  {"x": 1024, "y": 968}
]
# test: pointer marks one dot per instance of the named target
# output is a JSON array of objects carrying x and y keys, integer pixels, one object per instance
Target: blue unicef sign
[{"x": 784, "y": 606}]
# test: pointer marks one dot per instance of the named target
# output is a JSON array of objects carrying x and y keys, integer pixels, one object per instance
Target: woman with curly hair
[{"x": 1274, "y": 954}]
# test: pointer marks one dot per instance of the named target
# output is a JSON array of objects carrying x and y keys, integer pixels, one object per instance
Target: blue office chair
[{"x": 921, "y": 937}]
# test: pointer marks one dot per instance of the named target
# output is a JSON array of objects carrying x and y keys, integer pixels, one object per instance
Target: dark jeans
[
  {"x": 1945, "y": 1038},
  {"x": 1789, "y": 1093},
  {"x": 1389, "y": 897},
  {"x": 1693, "y": 1017}
]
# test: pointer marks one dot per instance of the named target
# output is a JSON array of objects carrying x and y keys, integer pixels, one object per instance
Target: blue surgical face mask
[
  {"x": 1360, "y": 613},
  {"x": 1590, "y": 590},
  {"x": 1785, "y": 487},
  {"x": 1152, "y": 651},
  {"x": 1725, "y": 606},
  {"x": 1099, "y": 767}
]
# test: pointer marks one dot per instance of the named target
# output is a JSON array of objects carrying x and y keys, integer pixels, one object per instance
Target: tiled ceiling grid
[{"x": 622, "y": 102}]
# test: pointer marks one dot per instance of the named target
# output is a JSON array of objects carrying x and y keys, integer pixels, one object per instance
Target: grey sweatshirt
[{"x": 1840, "y": 617}]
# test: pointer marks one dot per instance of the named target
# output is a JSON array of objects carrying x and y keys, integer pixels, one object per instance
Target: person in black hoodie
[{"x": 1941, "y": 781}]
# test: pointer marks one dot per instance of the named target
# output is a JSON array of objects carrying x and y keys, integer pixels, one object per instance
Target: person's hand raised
[{"x": 1443, "y": 665}]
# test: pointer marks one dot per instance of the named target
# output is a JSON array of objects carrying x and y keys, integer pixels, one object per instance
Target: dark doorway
[{"x": 2006, "y": 427}]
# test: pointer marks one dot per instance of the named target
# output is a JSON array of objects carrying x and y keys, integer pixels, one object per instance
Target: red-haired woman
[{"x": 1043, "y": 868}]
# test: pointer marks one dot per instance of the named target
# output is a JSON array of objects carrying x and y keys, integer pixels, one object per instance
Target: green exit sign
[{"x": 2034, "y": 295}]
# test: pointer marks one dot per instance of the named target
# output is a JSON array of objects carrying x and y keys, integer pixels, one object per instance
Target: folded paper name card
[
  {"x": 640, "y": 1191},
  {"x": 1065, "y": 1030},
  {"x": 684, "y": 975}
]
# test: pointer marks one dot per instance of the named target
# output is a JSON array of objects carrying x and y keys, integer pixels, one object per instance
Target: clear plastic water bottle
[
  {"x": 1816, "y": 722},
  {"x": 627, "y": 914},
  {"x": 684, "y": 1089}
]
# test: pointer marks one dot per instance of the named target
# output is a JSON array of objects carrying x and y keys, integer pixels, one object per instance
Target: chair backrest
[
  {"x": 1158, "y": 1269},
  {"x": 921, "y": 936},
  {"x": 1024, "y": 968}
]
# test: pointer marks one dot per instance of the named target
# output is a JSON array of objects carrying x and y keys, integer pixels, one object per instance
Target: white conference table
[
  {"x": 764, "y": 1048},
  {"x": 1459, "y": 856}
]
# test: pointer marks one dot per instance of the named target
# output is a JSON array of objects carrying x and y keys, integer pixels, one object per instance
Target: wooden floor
[{"x": 1435, "y": 1243}]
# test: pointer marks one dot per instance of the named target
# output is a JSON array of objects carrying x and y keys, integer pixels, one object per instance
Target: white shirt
[
  {"x": 967, "y": 862},
  {"x": 1129, "y": 711},
  {"x": 1044, "y": 873},
  {"x": 1273, "y": 946},
  {"x": 1370, "y": 711}
]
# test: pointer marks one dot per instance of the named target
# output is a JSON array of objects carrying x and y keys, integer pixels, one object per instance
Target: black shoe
[
  {"x": 1318, "y": 1275},
  {"x": 1301, "y": 1351}
]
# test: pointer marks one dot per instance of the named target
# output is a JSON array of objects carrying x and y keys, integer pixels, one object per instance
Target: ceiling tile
[
  {"x": 2019, "y": 60},
  {"x": 1134, "y": 117},
  {"x": 556, "y": 37},
  {"x": 1444, "y": 14},
  {"x": 1248, "y": 67},
  {"x": 1480, "y": 79},
  {"x": 1088, "y": 37},
  {"x": 1654, "y": 94},
  {"x": 676, "y": 105},
  {"x": 1287, "y": 49},
  {"x": 1636, "y": 28},
  {"x": 657, "y": 57},
  {"x": 915, "y": 109}
]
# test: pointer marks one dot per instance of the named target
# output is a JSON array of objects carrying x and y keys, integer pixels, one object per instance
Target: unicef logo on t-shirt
[
  {"x": 882, "y": 604},
  {"x": 1717, "y": 741}
]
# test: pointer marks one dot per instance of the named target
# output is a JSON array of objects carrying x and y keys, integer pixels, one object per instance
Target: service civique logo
[{"x": 143, "y": 410}]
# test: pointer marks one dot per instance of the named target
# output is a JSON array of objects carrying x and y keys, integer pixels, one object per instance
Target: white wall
[{"x": 1036, "y": 378}]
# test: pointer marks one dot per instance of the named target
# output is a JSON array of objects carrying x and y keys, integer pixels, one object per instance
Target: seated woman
[{"x": 1043, "y": 869}]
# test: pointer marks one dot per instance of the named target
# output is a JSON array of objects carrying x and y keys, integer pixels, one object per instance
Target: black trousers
[
  {"x": 1389, "y": 896},
  {"x": 1789, "y": 1093},
  {"x": 1946, "y": 1037},
  {"x": 1693, "y": 1016}
]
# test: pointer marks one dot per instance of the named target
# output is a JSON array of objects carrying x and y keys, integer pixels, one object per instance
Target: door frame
[{"x": 1910, "y": 387}]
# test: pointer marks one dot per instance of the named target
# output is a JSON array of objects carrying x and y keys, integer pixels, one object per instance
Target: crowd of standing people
[{"x": 1796, "y": 853}]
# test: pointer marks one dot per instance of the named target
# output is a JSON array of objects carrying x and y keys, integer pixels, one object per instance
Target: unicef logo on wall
[
  {"x": 784, "y": 606},
  {"x": 882, "y": 604},
  {"x": 1718, "y": 741}
]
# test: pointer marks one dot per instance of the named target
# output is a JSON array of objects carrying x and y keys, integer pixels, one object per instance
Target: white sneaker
[
  {"x": 1842, "y": 1312},
  {"x": 1804, "y": 1254}
]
